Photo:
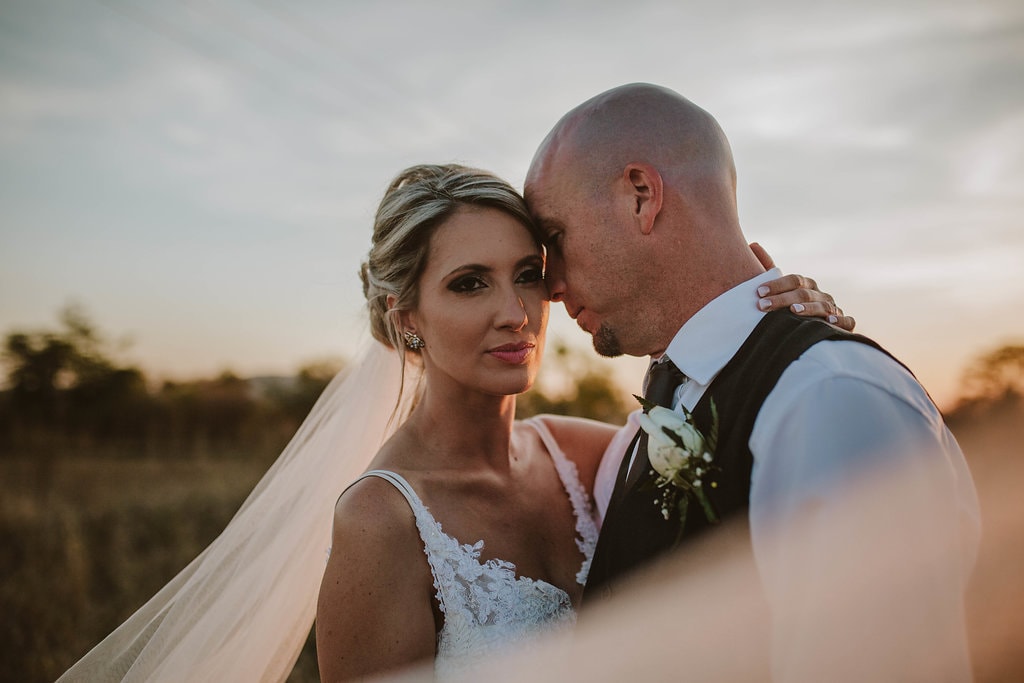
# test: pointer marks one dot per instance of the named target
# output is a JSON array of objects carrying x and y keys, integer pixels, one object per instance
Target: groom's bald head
[
  {"x": 638, "y": 182},
  {"x": 639, "y": 122}
]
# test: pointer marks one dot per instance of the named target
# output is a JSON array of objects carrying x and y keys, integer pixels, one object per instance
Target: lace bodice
[{"x": 485, "y": 605}]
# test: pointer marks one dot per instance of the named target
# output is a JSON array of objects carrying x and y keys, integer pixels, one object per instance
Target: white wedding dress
[{"x": 486, "y": 606}]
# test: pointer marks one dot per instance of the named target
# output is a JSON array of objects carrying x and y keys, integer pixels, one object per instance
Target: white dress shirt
[{"x": 840, "y": 414}]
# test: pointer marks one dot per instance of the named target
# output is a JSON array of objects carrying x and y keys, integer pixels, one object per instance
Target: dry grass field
[{"x": 85, "y": 541}]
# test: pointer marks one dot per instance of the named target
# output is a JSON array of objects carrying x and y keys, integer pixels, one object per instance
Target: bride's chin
[
  {"x": 511, "y": 381},
  {"x": 525, "y": 388},
  {"x": 516, "y": 388}
]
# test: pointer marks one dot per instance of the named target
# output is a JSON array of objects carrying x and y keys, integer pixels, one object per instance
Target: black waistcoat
[{"x": 634, "y": 530}]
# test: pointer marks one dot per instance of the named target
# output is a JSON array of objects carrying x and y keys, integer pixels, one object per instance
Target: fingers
[
  {"x": 766, "y": 260},
  {"x": 824, "y": 304},
  {"x": 821, "y": 308},
  {"x": 789, "y": 283},
  {"x": 801, "y": 301},
  {"x": 801, "y": 295},
  {"x": 817, "y": 309},
  {"x": 846, "y": 322}
]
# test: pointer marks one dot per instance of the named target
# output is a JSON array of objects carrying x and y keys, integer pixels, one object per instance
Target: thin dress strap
[
  {"x": 434, "y": 545},
  {"x": 399, "y": 482},
  {"x": 583, "y": 509}
]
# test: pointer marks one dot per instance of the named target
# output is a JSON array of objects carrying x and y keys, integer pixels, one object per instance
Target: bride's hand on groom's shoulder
[{"x": 799, "y": 293}]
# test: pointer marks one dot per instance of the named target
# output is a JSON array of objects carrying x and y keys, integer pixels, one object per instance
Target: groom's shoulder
[{"x": 852, "y": 363}]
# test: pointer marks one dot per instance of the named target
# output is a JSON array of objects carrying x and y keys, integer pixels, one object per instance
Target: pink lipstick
[{"x": 514, "y": 354}]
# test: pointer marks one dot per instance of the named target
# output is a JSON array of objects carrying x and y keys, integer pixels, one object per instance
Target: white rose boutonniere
[{"x": 682, "y": 457}]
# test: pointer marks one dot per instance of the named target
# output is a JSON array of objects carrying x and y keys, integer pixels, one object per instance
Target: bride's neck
[{"x": 466, "y": 429}]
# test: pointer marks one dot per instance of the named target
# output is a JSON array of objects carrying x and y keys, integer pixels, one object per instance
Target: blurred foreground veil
[
  {"x": 712, "y": 613},
  {"x": 242, "y": 609}
]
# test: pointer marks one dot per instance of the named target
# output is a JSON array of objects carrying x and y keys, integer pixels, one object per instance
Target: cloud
[
  {"x": 992, "y": 160},
  {"x": 240, "y": 148}
]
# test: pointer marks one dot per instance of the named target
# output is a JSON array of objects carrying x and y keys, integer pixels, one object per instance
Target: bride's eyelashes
[
  {"x": 467, "y": 284},
  {"x": 531, "y": 275},
  {"x": 471, "y": 284}
]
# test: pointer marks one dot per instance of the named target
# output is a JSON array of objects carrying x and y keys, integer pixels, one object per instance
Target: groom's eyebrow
[{"x": 549, "y": 225}]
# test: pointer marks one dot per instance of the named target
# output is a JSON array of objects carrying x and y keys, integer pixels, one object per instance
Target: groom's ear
[{"x": 647, "y": 192}]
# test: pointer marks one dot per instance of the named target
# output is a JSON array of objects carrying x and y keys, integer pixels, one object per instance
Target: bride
[
  {"x": 472, "y": 308},
  {"x": 469, "y": 531}
]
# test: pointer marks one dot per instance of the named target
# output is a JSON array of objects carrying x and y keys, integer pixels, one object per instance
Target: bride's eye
[
  {"x": 467, "y": 284},
  {"x": 530, "y": 276}
]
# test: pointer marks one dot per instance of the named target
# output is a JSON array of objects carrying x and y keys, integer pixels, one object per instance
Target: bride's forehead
[{"x": 482, "y": 233}]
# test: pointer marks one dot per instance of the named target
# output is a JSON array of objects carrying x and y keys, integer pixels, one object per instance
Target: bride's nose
[{"x": 512, "y": 314}]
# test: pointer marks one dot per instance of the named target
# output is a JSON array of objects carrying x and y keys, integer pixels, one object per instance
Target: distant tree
[
  {"x": 310, "y": 382},
  {"x": 66, "y": 380},
  {"x": 197, "y": 415},
  {"x": 38, "y": 364},
  {"x": 993, "y": 382},
  {"x": 996, "y": 374}
]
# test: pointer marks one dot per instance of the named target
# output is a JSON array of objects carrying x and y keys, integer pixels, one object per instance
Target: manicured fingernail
[
  {"x": 798, "y": 308},
  {"x": 832, "y": 319},
  {"x": 764, "y": 304},
  {"x": 763, "y": 290}
]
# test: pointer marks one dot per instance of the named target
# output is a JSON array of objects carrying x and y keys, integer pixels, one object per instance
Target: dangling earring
[{"x": 413, "y": 341}]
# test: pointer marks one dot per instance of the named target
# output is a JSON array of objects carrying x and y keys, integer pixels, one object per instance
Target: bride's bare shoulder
[
  {"x": 373, "y": 504},
  {"x": 374, "y": 610},
  {"x": 373, "y": 521}
]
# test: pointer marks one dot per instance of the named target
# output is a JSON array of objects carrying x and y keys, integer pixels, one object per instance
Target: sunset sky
[{"x": 201, "y": 176}]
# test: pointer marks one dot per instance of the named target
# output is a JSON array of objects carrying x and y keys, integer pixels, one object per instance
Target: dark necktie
[{"x": 662, "y": 380}]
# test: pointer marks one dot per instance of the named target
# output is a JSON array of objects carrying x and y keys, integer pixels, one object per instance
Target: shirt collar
[{"x": 706, "y": 342}]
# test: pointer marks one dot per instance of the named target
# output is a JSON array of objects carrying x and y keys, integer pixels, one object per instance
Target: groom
[{"x": 636, "y": 191}]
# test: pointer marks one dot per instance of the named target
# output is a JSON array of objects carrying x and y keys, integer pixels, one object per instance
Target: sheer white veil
[{"x": 243, "y": 608}]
